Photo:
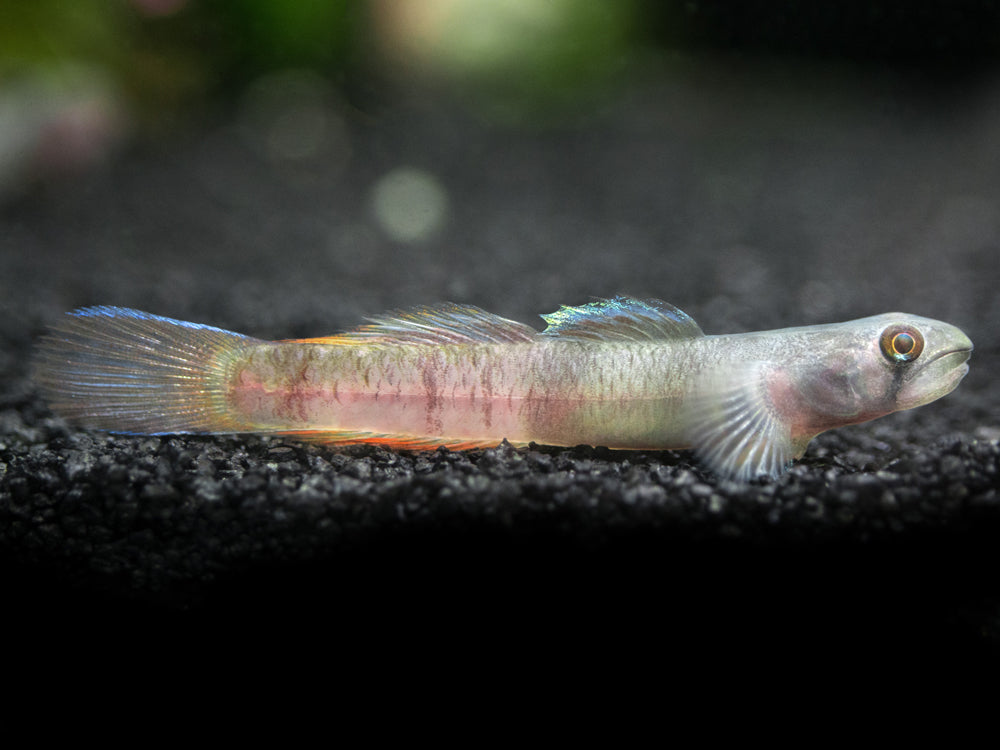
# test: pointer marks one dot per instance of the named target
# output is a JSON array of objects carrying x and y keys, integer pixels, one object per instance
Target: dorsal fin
[
  {"x": 438, "y": 324},
  {"x": 621, "y": 319}
]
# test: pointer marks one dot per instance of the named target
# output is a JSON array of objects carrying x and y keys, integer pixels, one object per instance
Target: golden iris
[{"x": 901, "y": 344}]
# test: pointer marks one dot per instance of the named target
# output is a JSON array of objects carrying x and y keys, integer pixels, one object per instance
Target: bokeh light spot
[
  {"x": 290, "y": 116},
  {"x": 409, "y": 204}
]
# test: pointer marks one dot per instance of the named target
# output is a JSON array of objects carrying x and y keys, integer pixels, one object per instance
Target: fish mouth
[
  {"x": 952, "y": 359},
  {"x": 939, "y": 376}
]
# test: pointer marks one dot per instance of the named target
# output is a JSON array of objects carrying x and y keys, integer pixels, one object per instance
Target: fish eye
[{"x": 901, "y": 344}]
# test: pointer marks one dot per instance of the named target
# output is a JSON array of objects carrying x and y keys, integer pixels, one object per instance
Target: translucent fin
[
  {"x": 735, "y": 429},
  {"x": 122, "y": 370},
  {"x": 400, "y": 442},
  {"x": 621, "y": 319},
  {"x": 439, "y": 324}
]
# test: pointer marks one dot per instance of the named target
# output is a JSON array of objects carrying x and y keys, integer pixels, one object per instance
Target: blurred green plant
[
  {"x": 167, "y": 57},
  {"x": 268, "y": 34},
  {"x": 43, "y": 32},
  {"x": 519, "y": 59}
]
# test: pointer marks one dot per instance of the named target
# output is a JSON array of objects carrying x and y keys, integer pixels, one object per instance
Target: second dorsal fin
[
  {"x": 437, "y": 324},
  {"x": 621, "y": 319}
]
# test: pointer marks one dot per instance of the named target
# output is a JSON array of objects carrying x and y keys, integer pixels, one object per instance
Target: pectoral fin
[{"x": 736, "y": 429}]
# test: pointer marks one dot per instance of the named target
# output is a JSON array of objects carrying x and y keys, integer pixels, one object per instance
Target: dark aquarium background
[{"x": 284, "y": 169}]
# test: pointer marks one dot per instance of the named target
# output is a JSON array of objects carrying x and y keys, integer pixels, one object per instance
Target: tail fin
[{"x": 122, "y": 370}]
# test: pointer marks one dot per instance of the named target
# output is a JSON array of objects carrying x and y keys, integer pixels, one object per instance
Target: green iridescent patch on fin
[
  {"x": 621, "y": 319},
  {"x": 736, "y": 431},
  {"x": 440, "y": 324}
]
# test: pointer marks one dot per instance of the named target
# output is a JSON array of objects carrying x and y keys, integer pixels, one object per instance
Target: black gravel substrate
[{"x": 752, "y": 196}]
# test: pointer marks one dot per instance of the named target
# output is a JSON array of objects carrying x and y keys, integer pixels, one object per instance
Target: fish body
[{"x": 622, "y": 373}]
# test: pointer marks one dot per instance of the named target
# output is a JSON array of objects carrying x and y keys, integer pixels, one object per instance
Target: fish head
[
  {"x": 862, "y": 369},
  {"x": 754, "y": 416},
  {"x": 924, "y": 359}
]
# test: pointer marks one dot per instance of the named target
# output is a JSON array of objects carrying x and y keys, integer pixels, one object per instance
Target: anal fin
[{"x": 398, "y": 442}]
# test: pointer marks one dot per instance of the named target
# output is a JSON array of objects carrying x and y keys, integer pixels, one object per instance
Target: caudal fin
[{"x": 122, "y": 370}]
